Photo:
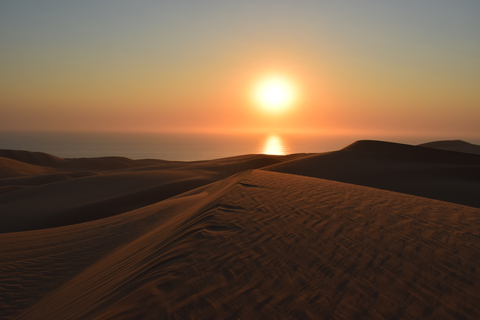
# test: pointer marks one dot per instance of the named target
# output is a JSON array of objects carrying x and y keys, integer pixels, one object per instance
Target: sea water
[{"x": 186, "y": 146}]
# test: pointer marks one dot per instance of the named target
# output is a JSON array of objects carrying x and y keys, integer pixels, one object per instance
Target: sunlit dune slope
[
  {"x": 13, "y": 168},
  {"x": 33, "y": 263},
  {"x": 437, "y": 174},
  {"x": 257, "y": 245}
]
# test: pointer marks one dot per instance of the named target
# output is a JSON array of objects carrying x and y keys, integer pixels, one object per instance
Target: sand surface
[{"x": 233, "y": 239}]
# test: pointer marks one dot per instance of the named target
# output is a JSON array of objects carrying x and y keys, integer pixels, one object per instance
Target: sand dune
[
  {"x": 116, "y": 185},
  {"x": 35, "y": 158},
  {"x": 453, "y": 145},
  {"x": 436, "y": 174},
  {"x": 115, "y": 238},
  {"x": 256, "y": 245},
  {"x": 13, "y": 168}
]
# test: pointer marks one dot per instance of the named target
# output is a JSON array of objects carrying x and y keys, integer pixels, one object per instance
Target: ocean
[{"x": 186, "y": 146}]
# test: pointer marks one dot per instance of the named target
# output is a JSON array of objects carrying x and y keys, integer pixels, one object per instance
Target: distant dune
[
  {"x": 247, "y": 237},
  {"x": 453, "y": 145},
  {"x": 13, "y": 168},
  {"x": 35, "y": 158},
  {"x": 436, "y": 174},
  {"x": 79, "y": 190}
]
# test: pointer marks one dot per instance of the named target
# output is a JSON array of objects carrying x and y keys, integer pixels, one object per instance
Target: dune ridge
[{"x": 55, "y": 255}]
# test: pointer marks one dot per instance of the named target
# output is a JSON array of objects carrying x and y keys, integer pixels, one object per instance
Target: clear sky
[{"x": 147, "y": 65}]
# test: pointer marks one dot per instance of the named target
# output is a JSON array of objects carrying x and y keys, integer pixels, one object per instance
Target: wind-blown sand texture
[{"x": 239, "y": 242}]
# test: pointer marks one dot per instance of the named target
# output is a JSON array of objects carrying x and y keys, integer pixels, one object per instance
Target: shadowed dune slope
[
  {"x": 79, "y": 190},
  {"x": 437, "y": 174},
  {"x": 256, "y": 245},
  {"x": 453, "y": 145},
  {"x": 90, "y": 198}
]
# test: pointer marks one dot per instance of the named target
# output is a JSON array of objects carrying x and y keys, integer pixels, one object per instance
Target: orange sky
[{"x": 143, "y": 66}]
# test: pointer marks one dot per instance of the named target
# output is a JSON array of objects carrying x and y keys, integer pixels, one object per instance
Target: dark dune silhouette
[
  {"x": 453, "y": 145},
  {"x": 436, "y": 174}
]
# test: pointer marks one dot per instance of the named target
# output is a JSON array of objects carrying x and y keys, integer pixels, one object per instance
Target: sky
[{"x": 149, "y": 65}]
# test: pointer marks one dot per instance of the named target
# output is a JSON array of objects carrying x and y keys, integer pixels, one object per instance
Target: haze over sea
[{"x": 189, "y": 146}]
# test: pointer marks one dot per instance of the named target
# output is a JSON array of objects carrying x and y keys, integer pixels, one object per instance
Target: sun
[{"x": 274, "y": 94}]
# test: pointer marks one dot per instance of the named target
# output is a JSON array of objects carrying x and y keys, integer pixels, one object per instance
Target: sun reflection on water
[{"x": 274, "y": 145}]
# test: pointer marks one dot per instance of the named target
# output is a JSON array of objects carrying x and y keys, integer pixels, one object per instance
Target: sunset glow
[
  {"x": 318, "y": 66},
  {"x": 275, "y": 94}
]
